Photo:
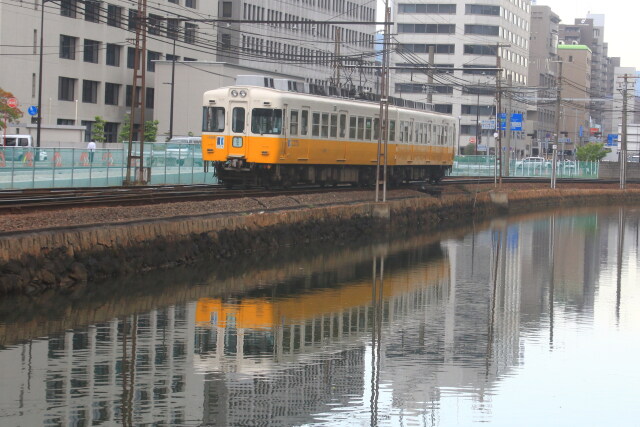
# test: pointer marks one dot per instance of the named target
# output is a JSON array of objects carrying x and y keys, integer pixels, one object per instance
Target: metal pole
[
  {"x": 173, "y": 83},
  {"x": 39, "y": 119},
  {"x": 459, "y": 132},
  {"x": 623, "y": 143},
  {"x": 558, "y": 104},
  {"x": 477, "y": 124},
  {"x": 498, "y": 123},
  {"x": 507, "y": 122},
  {"x": 387, "y": 43},
  {"x": 554, "y": 165}
]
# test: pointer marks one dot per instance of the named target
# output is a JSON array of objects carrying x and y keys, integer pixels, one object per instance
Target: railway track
[{"x": 49, "y": 199}]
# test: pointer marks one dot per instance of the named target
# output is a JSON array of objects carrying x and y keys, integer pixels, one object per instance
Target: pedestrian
[{"x": 91, "y": 147}]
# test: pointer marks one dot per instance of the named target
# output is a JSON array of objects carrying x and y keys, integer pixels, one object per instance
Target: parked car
[
  {"x": 16, "y": 148},
  {"x": 180, "y": 154},
  {"x": 532, "y": 163},
  {"x": 634, "y": 159}
]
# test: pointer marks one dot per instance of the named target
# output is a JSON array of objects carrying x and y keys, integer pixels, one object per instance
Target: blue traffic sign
[
  {"x": 33, "y": 110},
  {"x": 516, "y": 121}
]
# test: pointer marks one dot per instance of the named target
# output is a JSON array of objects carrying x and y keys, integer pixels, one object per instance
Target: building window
[
  {"x": 113, "y": 54},
  {"x": 68, "y": 8},
  {"x": 128, "y": 96},
  {"x": 174, "y": 1},
  {"x": 424, "y": 48},
  {"x": 65, "y": 122},
  {"x": 479, "y": 49},
  {"x": 225, "y": 41},
  {"x": 131, "y": 55},
  {"x": 427, "y": 8},
  {"x": 170, "y": 57},
  {"x": 66, "y": 89},
  {"x": 190, "y": 3},
  {"x": 90, "y": 91},
  {"x": 482, "y": 9},
  {"x": 485, "y": 30},
  {"x": 91, "y": 49},
  {"x": 152, "y": 56},
  {"x": 443, "y": 108},
  {"x": 155, "y": 25},
  {"x": 111, "y": 93},
  {"x": 150, "y": 99},
  {"x": 227, "y": 9},
  {"x": 173, "y": 28},
  {"x": 88, "y": 129},
  {"x": 114, "y": 16},
  {"x": 190, "y": 33},
  {"x": 133, "y": 19},
  {"x": 111, "y": 132},
  {"x": 427, "y": 28},
  {"x": 92, "y": 11},
  {"x": 186, "y": 60},
  {"x": 67, "y": 47}
]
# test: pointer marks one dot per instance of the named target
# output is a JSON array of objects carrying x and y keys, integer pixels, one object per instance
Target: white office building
[
  {"x": 466, "y": 39},
  {"x": 88, "y": 50}
]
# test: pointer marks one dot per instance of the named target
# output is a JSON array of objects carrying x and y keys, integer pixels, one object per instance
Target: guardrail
[
  {"x": 486, "y": 166},
  {"x": 26, "y": 167}
]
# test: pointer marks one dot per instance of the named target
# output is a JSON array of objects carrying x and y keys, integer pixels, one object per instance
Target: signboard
[
  {"x": 503, "y": 121},
  {"x": 565, "y": 140},
  {"x": 612, "y": 139},
  {"x": 581, "y": 132},
  {"x": 482, "y": 147},
  {"x": 488, "y": 124},
  {"x": 32, "y": 110},
  {"x": 472, "y": 140},
  {"x": 516, "y": 122},
  {"x": 12, "y": 103}
]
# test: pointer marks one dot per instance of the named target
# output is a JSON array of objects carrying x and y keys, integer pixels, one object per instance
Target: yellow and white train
[{"x": 264, "y": 136}]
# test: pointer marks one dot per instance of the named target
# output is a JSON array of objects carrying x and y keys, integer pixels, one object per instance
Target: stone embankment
[{"x": 93, "y": 248}]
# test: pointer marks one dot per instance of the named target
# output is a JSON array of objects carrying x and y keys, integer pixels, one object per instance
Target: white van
[{"x": 15, "y": 147}]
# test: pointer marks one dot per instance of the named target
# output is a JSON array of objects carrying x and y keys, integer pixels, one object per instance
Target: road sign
[
  {"x": 565, "y": 140},
  {"x": 482, "y": 147},
  {"x": 516, "y": 121},
  {"x": 32, "y": 110},
  {"x": 488, "y": 124},
  {"x": 503, "y": 121},
  {"x": 12, "y": 103}
]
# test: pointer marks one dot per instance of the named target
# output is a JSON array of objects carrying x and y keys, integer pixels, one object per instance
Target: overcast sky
[{"x": 620, "y": 25}]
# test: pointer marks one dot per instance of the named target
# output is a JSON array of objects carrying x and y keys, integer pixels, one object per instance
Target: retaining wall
[{"x": 34, "y": 261}]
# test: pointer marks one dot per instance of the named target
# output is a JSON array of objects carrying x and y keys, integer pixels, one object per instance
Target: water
[{"x": 525, "y": 321}]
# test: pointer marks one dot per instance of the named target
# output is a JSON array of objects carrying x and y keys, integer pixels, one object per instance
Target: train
[{"x": 266, "y": 135}]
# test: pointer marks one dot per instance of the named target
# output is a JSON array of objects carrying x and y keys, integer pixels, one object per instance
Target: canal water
[{"x": 524, "y": 321}]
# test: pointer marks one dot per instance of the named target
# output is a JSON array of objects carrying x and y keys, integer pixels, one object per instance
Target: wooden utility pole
[
  {"x": 337, "y": 62},
  {"x": 624, "y": 89},
  {"x": 430, "y": 70},
  {"x": 499, "y": 112},
  {"x": 383, "y": 135},
  {"x": 138, "y": 98}
]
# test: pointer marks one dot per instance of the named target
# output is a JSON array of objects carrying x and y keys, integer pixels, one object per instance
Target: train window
[
  {"x": 343, "y": 125},
  {"x": 304, "y": 123},
  {"x": 212, "y": 119},
  {"x": 376, "y": 129},
  {"x": 266, "y": 121},
  {"x": 401, "y": 136},
  {"x": 361, "y": 128},
  {"x": 315, "y": 125},
  {"x": 367, "y": 129},
  {"x": 392, "y": 130},
  {"x": 352, "y": 127},
  {"x": 325, "y": 125},
  {"x": 293, "y": 128},
  {"x": 429, "y": 134},
  {"x": 445, "y": 136},
  {"x": 237, "y": 120},
  {"x": 334, "y": 126}
]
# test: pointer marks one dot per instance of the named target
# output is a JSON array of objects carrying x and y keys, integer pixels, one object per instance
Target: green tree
[
  {"x": 469, "y": 150},
  {"x": 12, "y": 114},
  {"x": 591, "y": 152},
  {"x": 97, "y": 130},
  {"x": 150, "y": 130}
]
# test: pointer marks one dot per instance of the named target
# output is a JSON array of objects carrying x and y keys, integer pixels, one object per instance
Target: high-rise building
[
  {"x": 468, "y": 40},
  {"x": 88, "y": 49},
  {"x": 543, "y": 67}
]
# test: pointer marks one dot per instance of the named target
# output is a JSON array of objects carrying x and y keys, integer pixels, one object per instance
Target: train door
[
  {"x": 342, "y": 135},
  {"x": 239, "y": 141}
]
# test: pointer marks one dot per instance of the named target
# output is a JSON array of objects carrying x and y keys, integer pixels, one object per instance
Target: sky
[{"x": 620, "y": 24}]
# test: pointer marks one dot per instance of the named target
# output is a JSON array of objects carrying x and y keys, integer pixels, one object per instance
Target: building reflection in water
[{"x": 373, "y": 337}]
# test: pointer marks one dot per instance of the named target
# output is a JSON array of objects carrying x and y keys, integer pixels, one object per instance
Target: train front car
[
  {"x": 264, "y": 136},
  {"x": 241, "y": 133}
]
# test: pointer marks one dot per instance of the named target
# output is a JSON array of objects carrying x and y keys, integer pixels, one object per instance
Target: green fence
[
  {"x": 22, "y": 167},
  {"x": 527, "y": 167}
]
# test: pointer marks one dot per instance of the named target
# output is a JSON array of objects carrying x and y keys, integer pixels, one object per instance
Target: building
[
  {"x": 575, "y": 123},
  {"x": 632, "y": 126},
  {"x": 467, "y": 40},
  {"x": 543, "y": 69},
  {"x": 88, "y": 50}
]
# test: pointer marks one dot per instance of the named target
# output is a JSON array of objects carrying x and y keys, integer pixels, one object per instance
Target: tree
[
  {"x": 591, "y": 152},
  {"x": 6, "y": 112},
  {"x": 150, "y": 130},
  {"x": 469, "y": 150},
  {"x": 97, "y": 130}
]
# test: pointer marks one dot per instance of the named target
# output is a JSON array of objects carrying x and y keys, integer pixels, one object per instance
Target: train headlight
[
  {"x": 234, "y": 93},
  {"x": 243, "y": 93}
]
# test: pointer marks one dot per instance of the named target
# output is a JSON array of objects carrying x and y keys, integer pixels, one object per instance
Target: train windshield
[
  {"x": 212, "y": 119},
  {"x": 266, "y": 121}
]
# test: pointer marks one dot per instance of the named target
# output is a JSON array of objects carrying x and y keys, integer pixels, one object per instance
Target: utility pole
[
  {"x": 499, "y": 112},
  {"x": 173, "y": 84},
  {"x": 558, "y": 105},
  {"x": 507, "y": 123},
  {"x": 336, "y": 62},
  {"x": 432, "y": 58},
  {"x": 139, "y": 75},
  {"x": 624, "y": 89},
  {"x": 383, "y": 135},
  {"x": 478, "y": 132}
]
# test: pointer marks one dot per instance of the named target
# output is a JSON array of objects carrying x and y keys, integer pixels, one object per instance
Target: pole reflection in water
[{"x": 410, "y": 332}]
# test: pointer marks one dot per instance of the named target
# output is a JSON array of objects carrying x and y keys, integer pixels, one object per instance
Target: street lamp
[{"x": 39, "y": 120}]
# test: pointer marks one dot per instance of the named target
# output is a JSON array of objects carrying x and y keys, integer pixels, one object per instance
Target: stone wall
[
  {"x": 611, "y": 170},
  {"x": 34, "y": 261}
]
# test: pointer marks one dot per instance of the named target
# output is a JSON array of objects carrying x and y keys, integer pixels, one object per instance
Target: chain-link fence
[{"x": 526, "y": 167}]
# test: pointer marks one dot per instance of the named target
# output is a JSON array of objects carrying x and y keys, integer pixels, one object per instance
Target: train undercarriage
[{"x": 236, "y": 172}]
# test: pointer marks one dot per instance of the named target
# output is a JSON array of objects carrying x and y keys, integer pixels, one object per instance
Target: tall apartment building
[
  {"x": 575, "y": 118},
  {"x": 465, "y": 37},
  {"x": 88, "y": 49},
  {"x": 543, "y": 69},
  {"x": 589, "y": 31}
]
